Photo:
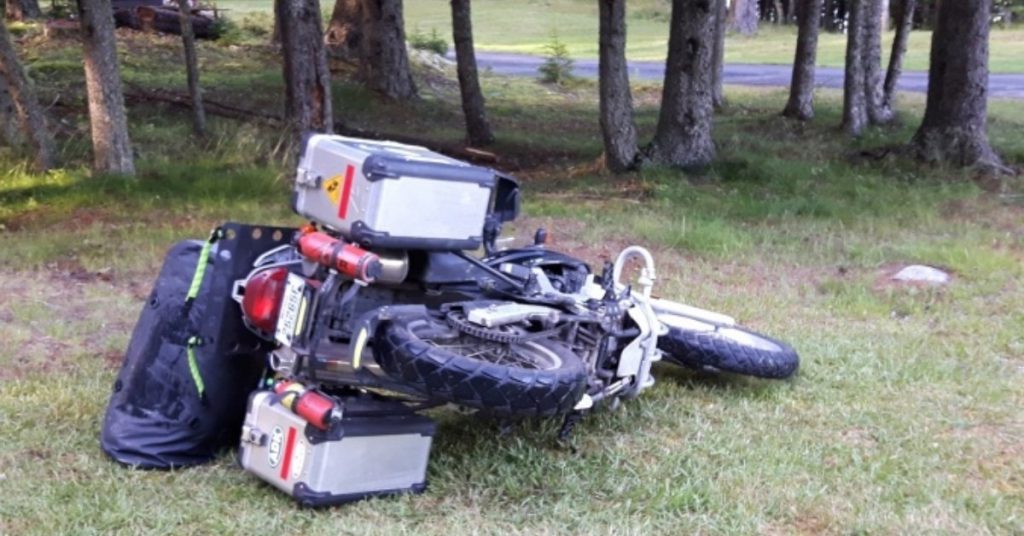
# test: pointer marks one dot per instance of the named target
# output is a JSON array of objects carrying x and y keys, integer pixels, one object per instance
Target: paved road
[{"x": 1000, "y": 85}]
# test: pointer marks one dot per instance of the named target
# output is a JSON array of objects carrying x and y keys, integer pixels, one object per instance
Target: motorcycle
[
  {"x": 380, "y": 308},
  {"x": 517, "y": 332}
]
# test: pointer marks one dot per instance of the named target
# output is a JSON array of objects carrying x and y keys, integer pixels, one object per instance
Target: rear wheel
[
  {"x": 538, "y": 377},
  {"x": 700, "y": 345}
]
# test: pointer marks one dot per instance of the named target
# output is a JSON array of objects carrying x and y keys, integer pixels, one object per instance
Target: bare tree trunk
[
  {"x": 745, "y": 17},
  {"x": 112, "y": 149},
  {"x": 344, "y": 37},
  {"x": 10, "y": 134},
  {"x": 904, "y": 24},
  {"x": 954, "y": 128},
  {"x": 478, "y": 130},
  {"x": 275, "y": 35},
  {"x": 617, "y": 125},
  {"x": 307, "y": 80},
  {"x": 22, "y": 9},
  {"x": 829, "y": 22},
  {"x": 718, "y": 87},
  {"x": 385, "y": 62},
  {"x": 683, "y": 137},
  {"x": 855, "y": 113},
  {"x": 188, "y": 40},
  {"x": 878, "y": 114},
  {"x": 30, "y": 114},
  {"x": 801, "y": 92},
  {"x": 883, "y": 15}
]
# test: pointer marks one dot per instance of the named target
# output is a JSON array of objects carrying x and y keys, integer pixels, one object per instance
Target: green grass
[
  {"x": 527, "y": 27},
  {"x": 905, "y": 417}
]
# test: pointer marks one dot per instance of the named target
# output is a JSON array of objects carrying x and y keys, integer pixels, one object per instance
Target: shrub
[
  {"x": 433, "y": 42},
  {"x": 557, "y": 66}
]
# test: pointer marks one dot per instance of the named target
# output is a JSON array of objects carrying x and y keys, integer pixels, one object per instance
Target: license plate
[{"x": 292, "y": 317}]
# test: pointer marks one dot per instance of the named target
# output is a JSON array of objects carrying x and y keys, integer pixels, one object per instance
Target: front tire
[
  {"x": 537, "y": 377},
  {"x": 699, "y": 345}
]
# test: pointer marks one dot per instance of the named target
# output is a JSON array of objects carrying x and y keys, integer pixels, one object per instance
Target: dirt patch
[
  {"x": 58, "y": 318},
  {"x": 988, "y": 211},
  {"x": 83, "y": 218},
  {"x": 858, "y": 438},
  {"x": 998, "y": 451},
  {"x": 806, "y": 524}
]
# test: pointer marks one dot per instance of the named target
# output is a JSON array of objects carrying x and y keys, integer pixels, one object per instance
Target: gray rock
[{"x": 922, "y": 274}]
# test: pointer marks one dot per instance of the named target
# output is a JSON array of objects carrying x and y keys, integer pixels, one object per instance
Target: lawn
[
  {"x": 904, "y": 418},
  {"x": 528, "y": 27}
]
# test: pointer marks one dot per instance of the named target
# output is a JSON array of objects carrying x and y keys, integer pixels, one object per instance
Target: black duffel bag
[{"x": 181, "y": 392}]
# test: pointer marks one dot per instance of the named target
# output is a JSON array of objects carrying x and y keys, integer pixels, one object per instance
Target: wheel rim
[{"x": 527, "y": 355}]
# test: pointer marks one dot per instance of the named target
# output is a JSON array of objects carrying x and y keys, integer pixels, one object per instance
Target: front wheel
[
  {"x": 700, "y": 345},
  {"x": 536, "y": 377}
]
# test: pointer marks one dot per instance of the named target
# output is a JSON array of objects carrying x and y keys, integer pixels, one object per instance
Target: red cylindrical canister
[
  {"x": 315, "y": 408},
  {"x": 350, "y": 260},
  {"x": 312, "y": 406}
]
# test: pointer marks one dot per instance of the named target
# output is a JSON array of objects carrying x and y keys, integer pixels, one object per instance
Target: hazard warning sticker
[{"x": 332, "y": 187}]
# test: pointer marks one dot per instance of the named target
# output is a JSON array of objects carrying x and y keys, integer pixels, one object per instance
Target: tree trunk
[
  {"x": 29, "y": 113},
  {"x": 188, "y": 40},
  {"x": 954, "y": 128},
  {"x": 275, "y": 35},
  {"x": 878, "y": 114},
  {"x": 683, "y": 137},
  {"x": 855, "y": 112},
  {"x": 829, "y": 20},
  {"x": 745, "y": 17},
  {"x": 22, "y": 9},
  {"x": 930, "y": 14},
  {"x": 617, "y": 125},
  {"x": 478, "y": 130},
  {"x": 307, "y": 80},
  {"x": 385, "y": 65},
  {"x": 801, "y": 91},
  {"x": 718, "y": 89},
  {"x": 112, "y": 149},
  {"x": 10, "y": 134},
  {"x": 344, "y": 37},
  {"x": 904, "y": 24},
  {"x": 883, "y": 15}
]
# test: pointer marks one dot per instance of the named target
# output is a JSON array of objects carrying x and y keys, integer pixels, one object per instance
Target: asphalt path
[{"x": 1001, "y": 85}]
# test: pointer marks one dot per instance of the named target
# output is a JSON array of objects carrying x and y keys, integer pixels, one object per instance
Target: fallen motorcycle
[{"x": 377, "y": 310}]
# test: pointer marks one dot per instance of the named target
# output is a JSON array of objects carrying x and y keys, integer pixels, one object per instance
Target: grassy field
[
  {"x": 905, "y": 417},
  {"x": 528, "y": 26}
]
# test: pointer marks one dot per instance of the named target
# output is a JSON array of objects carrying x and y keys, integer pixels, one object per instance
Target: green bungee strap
[
  {"x": 193, "y": 291},
  {"x": 193, "y": 365},
  {"x": 204, "y": 257}
]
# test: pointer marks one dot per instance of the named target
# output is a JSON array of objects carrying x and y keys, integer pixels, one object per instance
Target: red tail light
[{"x": 261, "y": 302}]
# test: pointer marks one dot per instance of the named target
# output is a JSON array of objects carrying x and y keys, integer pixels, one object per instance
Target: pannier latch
[
  {"x": 253, "y": 436},
  {"x": 306, "y": 179}
]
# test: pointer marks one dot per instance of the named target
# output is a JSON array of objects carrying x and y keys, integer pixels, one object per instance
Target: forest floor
[{"x": 905, "y": 416}]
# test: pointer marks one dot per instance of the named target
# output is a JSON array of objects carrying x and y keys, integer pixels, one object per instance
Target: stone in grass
[{"x": 919, "y": 273}]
